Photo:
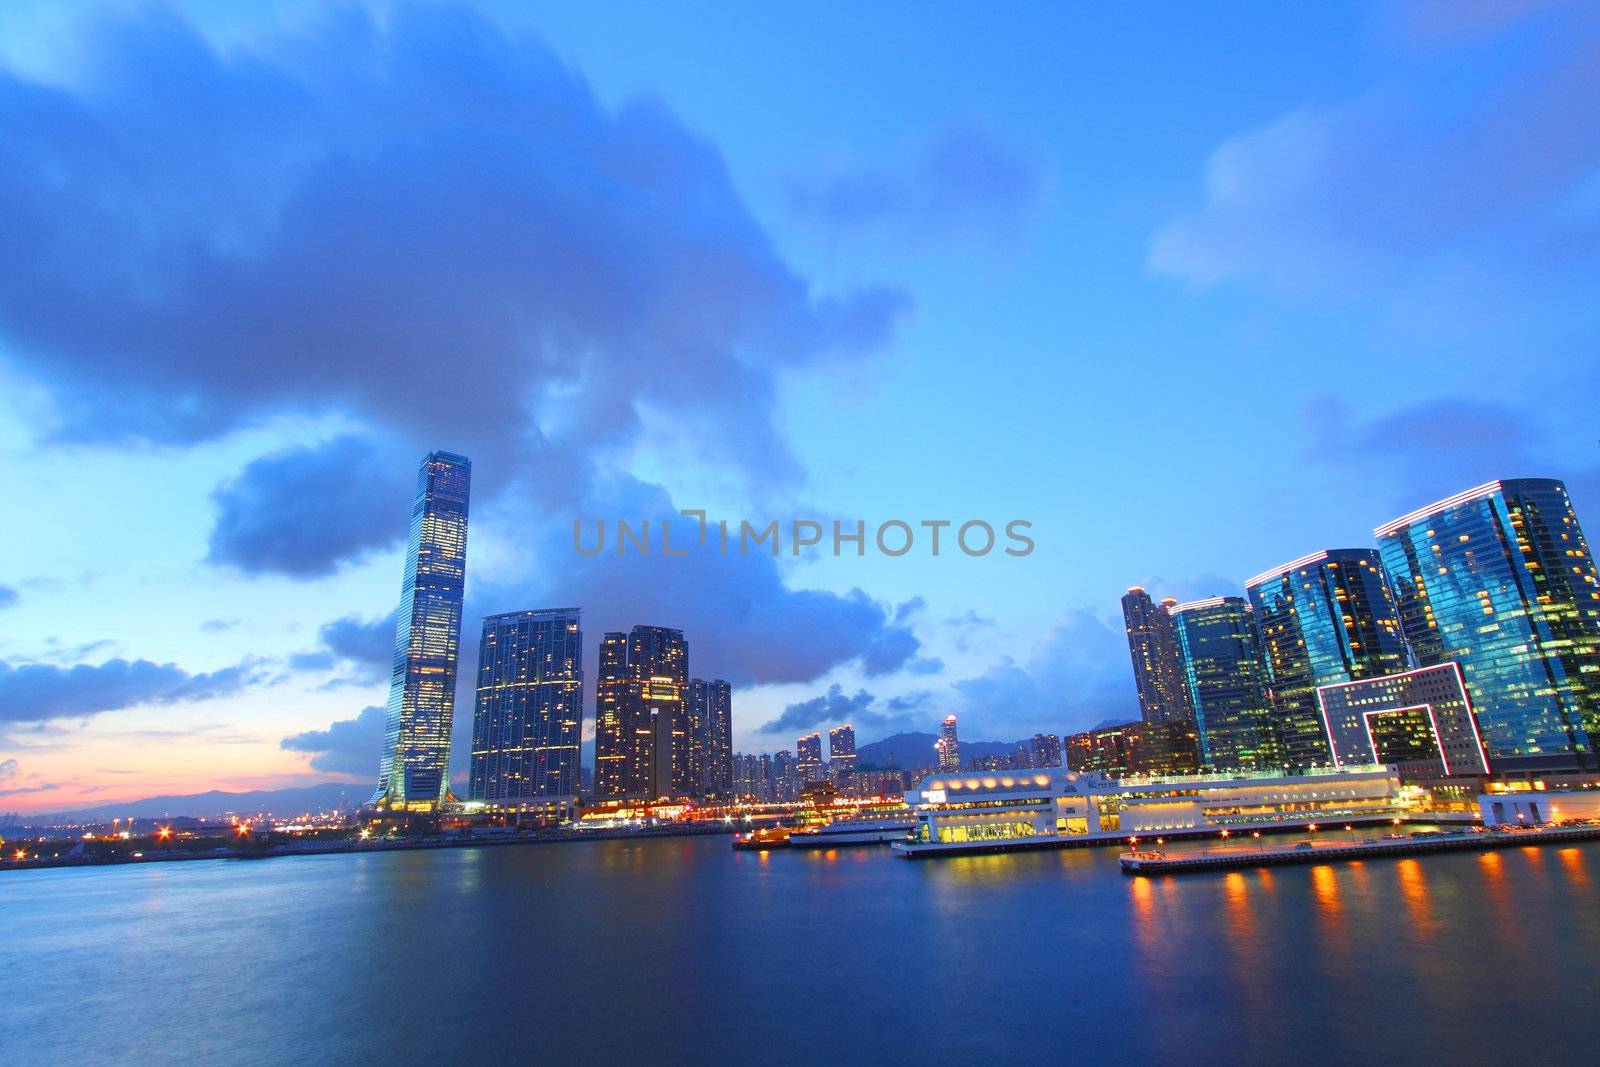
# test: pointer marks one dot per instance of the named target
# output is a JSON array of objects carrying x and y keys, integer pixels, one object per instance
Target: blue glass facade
[
  {"x": 528, "y": 721},
  {"x": 1327, "y": 618},
  {"x": 414, "y": 772},
  {"x": 1500, "y": 579},
  {"x": 1223, "y": 669}
]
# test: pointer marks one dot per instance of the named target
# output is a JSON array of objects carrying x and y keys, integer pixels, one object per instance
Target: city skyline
[{"x": 900, "y": 312}]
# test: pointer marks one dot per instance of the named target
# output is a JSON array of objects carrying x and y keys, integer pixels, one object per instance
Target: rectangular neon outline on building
[{"x": 1461, "y": 680}]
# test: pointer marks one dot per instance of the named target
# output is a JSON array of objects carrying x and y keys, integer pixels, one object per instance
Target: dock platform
[{"x": 1189, "y": 862}]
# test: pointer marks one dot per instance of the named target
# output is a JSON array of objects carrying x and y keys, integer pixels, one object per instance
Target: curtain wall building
[
  {"x": 414, "y": 771},
  {"x": 1501, "y": 580},
  {"x": 528, "y": 720},
  {"x": 1320, "y": 620},
  {"x": 711, "y": 728},
  {"x": 1157, "y": 661},
  {"x": 1222, "y": 665},
  {"x": 641, "y": 726}
]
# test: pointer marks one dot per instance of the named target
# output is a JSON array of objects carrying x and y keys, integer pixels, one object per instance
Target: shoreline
[{"x": 358, "y": 847}]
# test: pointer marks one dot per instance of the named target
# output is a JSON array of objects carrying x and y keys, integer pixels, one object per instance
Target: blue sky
[{"x": 1195, "y": 291}]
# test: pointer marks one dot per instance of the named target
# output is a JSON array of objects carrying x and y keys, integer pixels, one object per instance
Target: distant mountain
[
  {"x": 912, "y": 750},
  {"x": 328, "y": 796}
]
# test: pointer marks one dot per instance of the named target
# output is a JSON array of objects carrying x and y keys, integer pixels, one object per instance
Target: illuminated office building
[
  {"x": 528, "y": 721},
  {"x": 1045, "y": 750},
  {"x": 842, "y": 752},
  {"x": 1157, "y": 660},
  {"x": 1500, "y": 579},
  {"x": 641, "y": 723},
  {"x": 1222, "y": 665},
  {"x": 1136, "y": 748},
  {"x": 948, "y": 747},
  {"x": 1325, "y": 618},
  {"x": 1420, "y": 721},
  {"x": 414, "y": 770},
  {"x": 711, "y": 737},
  {"x": 808, "y": 757}
]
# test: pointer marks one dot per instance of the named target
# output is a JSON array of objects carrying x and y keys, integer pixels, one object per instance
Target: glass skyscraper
[
  {"x": 641, "y": 734},
  {"x": 808, "y": 757},
  {"x": 711, "y": 735},
  {"x": 1500, "y": 579},
  {"x": 414, "y": 772},
  {"x": 1221, "y": 662},
  {"x": 1323, "y": 619},
  {"x": 528, "y": 722},
  {"x": 1157, "y": 662}
]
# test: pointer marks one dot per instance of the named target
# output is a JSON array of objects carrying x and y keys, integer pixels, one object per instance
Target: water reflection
[
  {"x": 1572, "y": 863},
  {"x": 1414, "y": 895}
]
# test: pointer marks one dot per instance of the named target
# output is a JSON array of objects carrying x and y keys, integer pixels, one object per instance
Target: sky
[{"x": 1191, "y": 290}]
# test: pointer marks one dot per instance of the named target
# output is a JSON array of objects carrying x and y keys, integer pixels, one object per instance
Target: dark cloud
[
  {"x": 34, "y": 692},
  {"x": 8, "y": 596},
  {"x": 863, "y": 710},
  {"x": 743, "y": 623},
  {"x": 961, "y": 185},
  {"x": 1429, "y": 450},
  {"x": 349, "y": 746},
  {"x": 363, "y": 647},
  {"x": 1079, "y": 676},
  {"x": 304, "y": 511},
  {"x": 416, "y": 219}
]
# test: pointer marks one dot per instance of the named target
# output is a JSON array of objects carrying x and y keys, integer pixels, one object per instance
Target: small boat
[
  {"x": 853, "y": 832},
  {"x": 768, "y": 837}
]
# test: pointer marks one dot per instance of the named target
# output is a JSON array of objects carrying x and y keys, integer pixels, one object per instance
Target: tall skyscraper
[
  {"x": 1046, "y": 750},
  {"x": 414, "y": 771},
  {"x": 528, "y": 721},
  {"x": 1221, "y": 661},
  {"x": 808, "y": 757},
  {"x": 948, "y": 747},
  {"x": 641, "y": 725},
  {"x": 711, "y": 734},
  {"x": 1157, "y": 661},
  {"x": 1321, "y": 620},
  {"x": 842, "y": 752},
  {"x": 1501, "y": 580}
]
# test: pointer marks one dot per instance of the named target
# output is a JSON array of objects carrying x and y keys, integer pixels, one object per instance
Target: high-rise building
[
  {"x": 1221, "y": 662},
  {"x": 528, "y": 721},
  {"x": 1156, "y": 748},
  {"x": 842, "y": 752},
  {"x": 1157, "y": 660},
  {"x": 1046, "y": 750},
  {"x": 710, "y": 708},
  {"x": 414, "y": 770},
  {"x": 781, "y": 774},
  {"x": 1419, "y": 720},
  {"x": 1500, "y": 579},
  {"x": 641, "y": 723},
  {"x": 1321, "y": 620},
  {"x": 808, "y": 757},
  {"x": 949, "y": 749}
]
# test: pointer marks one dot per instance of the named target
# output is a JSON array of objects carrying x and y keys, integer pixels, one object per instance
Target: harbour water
[{"x": 684, "y": 951}]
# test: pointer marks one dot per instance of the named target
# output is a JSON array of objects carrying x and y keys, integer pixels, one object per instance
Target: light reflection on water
[{"x": 683, "y": 951}]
